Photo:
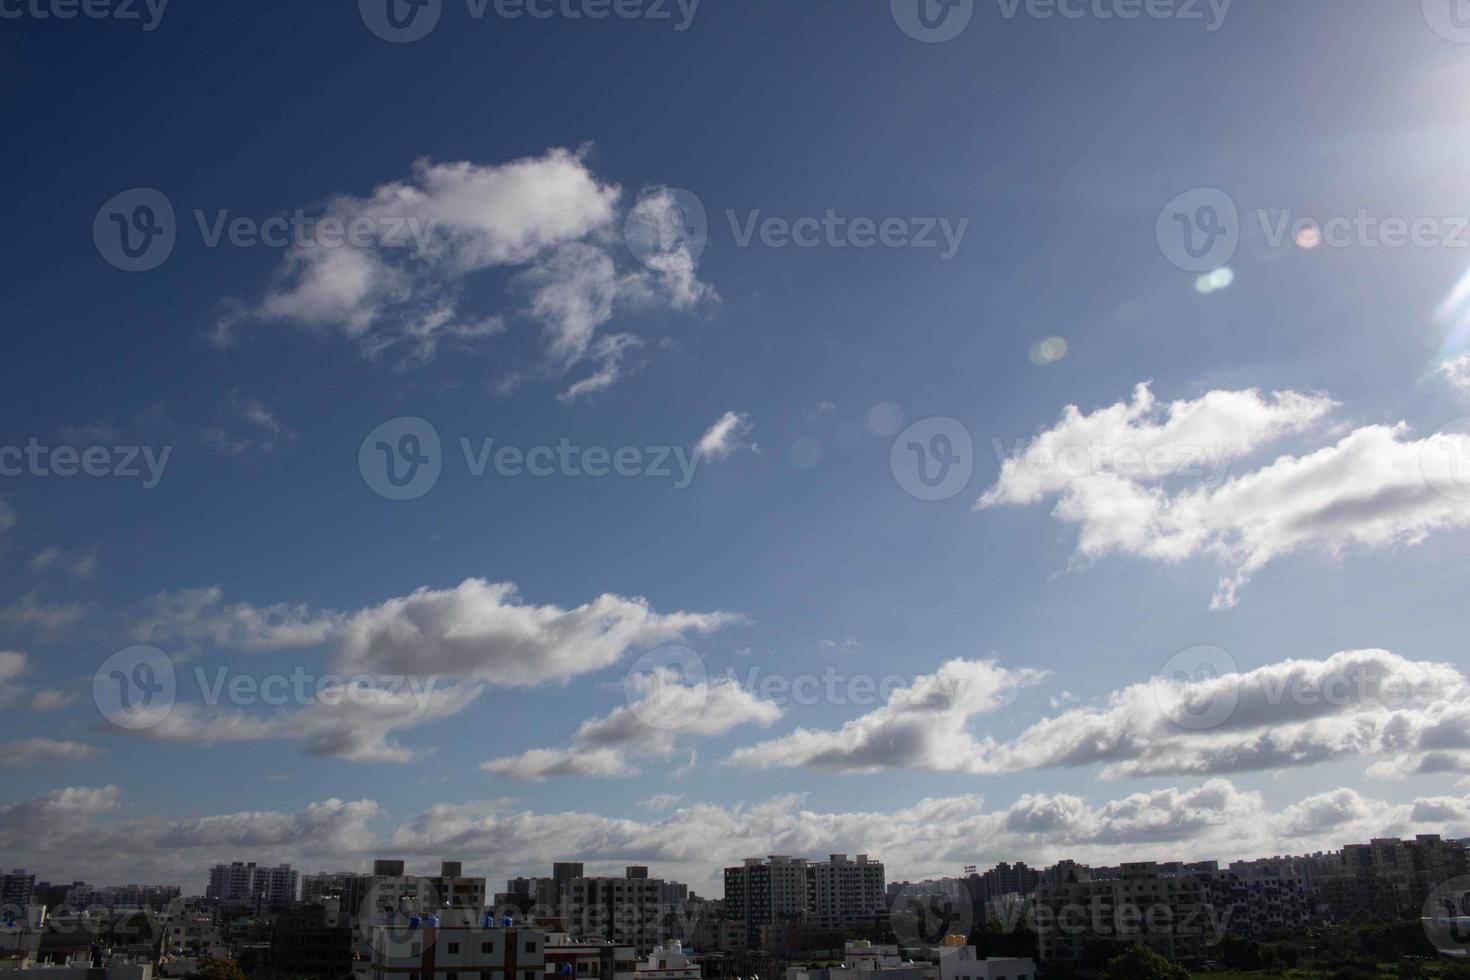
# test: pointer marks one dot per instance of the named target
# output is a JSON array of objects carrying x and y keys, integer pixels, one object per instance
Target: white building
[
  {"x": 861, "y": 960},
  {"x": 668, "y": 962},
  {"x": 964, "y": 964}
]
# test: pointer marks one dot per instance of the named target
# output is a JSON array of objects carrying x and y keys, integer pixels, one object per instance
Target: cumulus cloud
[
  {"x": 922, "y": 726},
  {"x": 607, "y": 746},
  {"x": 1412, "y": 717},
  {"x": 32, "y": 752},
  {"x": 1147, "y": 480},
  {"x": 482, "y": 631},
  {"x": 354, "y": 722},
  {"x": 1414, "y": 714},
  {"x": 478, "y": 631},
  {"x": 402, "y": 291},
  {"x": 730, "y": 434},
  {"x": 79, "y": 828}
]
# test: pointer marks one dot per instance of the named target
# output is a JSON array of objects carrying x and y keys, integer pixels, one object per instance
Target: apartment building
[
  {"x": 622, "y": 910},
  {"x": 1132, "y": 904},
  {"x": 837, "y": 892},
  {"x": 842, "y": 892},
  {"x": 458, "y": 946},
  {"x": 964, "y": 963},
  {"x": 583, "y": 959}
]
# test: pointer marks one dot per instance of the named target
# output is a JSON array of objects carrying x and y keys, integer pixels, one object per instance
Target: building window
[
  {"x": 487, "y": 947},
  {"x": 530, "y": 945},
  {"x": 453, "y": 948}
]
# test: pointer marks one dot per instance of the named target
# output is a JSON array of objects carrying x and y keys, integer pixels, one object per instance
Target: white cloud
[
  {"x": 482, "y": 631},
  {"x": 78, "y": 828},
  {"x": 1114, "y": 473},
  {"x": 355, "y": 723},
  {"x": 264, "y": 433},
  {"x": 50, "y": 619},
  {"x": 31, "y": 752},
  {"x": 1415, "y": 714},
  {"x": 77, "y": 565},
  {"x": 13, "y": 666},
  {"x": 548, "y": 216},
  {"x": 196, "y": 616},
  {"x": 922, "y": 726},
  {"x": 1457, "y": 373},
  {"x": 1412, "y": 717},
  {"x": 48, "y": 699},
  {"x": 608, "y": 746},
  {"x": 729, "y": 435}
]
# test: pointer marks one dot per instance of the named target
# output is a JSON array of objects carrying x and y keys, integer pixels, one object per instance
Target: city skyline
[{"x": 516, "y": 442}]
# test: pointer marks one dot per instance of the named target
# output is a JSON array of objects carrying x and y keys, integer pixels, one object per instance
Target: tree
[
  {"x": 1142, "y": 963},
  {"x": 211, "y": 969}
]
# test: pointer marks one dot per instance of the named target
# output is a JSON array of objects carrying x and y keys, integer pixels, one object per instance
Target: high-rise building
[
  {"x": 16, "y": 888},
  {"x": 828, "y": 894},
  {"x": 231, "y": 882},
  {"x": 1136, "y": 904},
  {"x": 842, "y": 892}
]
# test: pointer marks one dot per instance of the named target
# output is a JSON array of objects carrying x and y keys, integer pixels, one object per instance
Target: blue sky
[{"x": 1059, "y": 141}]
